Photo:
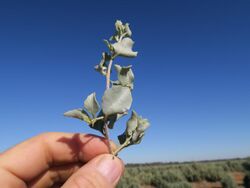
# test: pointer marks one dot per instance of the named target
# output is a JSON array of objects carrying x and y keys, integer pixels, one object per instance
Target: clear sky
[{"x": 192, "y": 76}]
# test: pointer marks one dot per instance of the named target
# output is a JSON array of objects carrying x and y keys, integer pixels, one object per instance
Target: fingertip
[
  {"x": 110, "y": 167},
  {"x": 103, "y": 171}
]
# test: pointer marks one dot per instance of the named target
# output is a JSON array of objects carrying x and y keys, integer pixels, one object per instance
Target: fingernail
[{"x": 110, "y": 168}]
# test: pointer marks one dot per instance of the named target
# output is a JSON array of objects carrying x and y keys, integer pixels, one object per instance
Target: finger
[
  {"x": 41, "y": 152},
  {"x": 8, "y": 179},
  {"x": 54, "y": 176},
  {"x": 102, "y": 171}
]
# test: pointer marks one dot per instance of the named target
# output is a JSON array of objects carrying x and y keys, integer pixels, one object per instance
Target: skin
[{"x": 60, "y": 160}]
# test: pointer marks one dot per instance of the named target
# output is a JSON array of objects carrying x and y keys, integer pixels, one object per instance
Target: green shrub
[
  {"x": 159, "y": 182},
  {"x": 190, "y": 174},
  {"x": 198, "y": 172},
  {"x": 145, "y": 178},
  {"x": 178, "y": 175},
  {"x": 234, "y": 165},
  {"x": 228, "y": 182},
  {"x": 178, "y": 185},
  {"x": 128, "y": 182},
  {"x": 213, "y": 174},
  {"x": 172, "y": 176},
  {"x": 122, "y": 183},
  {"x": 134, "y": 171}
]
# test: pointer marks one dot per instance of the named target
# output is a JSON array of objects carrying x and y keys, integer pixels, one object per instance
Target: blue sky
[{"x": 191, "y": 74}]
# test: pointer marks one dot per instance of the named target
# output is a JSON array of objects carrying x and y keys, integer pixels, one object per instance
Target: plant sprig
[{"x": 117, "y": 98}]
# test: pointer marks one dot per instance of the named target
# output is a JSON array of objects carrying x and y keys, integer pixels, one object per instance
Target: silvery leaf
[
  {"x": 137, "y": 137},
  {"x": 124, "y": 48},
  {"x": 125, "y": 75},
  {"x": 143, "y": 124},
  {"x": 135, "y": 130},
  {"x": 99, "y": 124},
  {"x": 115, "y": 37},
  {"x": 102, "y": 67},
  {"x": 79, "y": 114},
  {"x": 119, "y": 27},
  {"x": 121, "y": 31},
  {"x": 113, "y": 118},
  {"x": 131, "y": 124},
  {"x": 91, "y": 104},
  {"x": 110, "y": 46},
  {"x": 127, "y": 30},
  {"x": 122, "y": 138},
  {"x": 116, "y": 100}
]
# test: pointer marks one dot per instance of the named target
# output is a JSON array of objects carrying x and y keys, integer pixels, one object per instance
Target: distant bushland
[{"x": 183, "y": 175}]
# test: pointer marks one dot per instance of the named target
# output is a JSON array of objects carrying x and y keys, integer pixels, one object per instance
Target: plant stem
[
  {"x": 107, "y": 137},
  {"x": 108, "y": 74},
  {"x": 122, "y": 146},
  {"x": 96, "y": 119},
  {"x": 106, "y": 123},
  {"x": 121, "y": 37}
]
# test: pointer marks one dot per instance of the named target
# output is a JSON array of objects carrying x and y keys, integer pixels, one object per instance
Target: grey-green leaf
[
  {"x": 79, "y": 114},
  {"x": 131, "y": 124},
  {"x": 125, "y": 75},
  {"x": 113, "y": 118},
  {"x": 99, "y": 124},
  {"x": 123, "y": 47},
  {"x": 119, "y": 26},
  {"x": 116, "y": 100},
  {"x": 135, "y": 130},
  {"x": 91, "y": 104},
  {"x": 137, "y": 137},
  {"x": 122, "y": 138},
  {"x": 127, "y": 29},
  {"x": 143, "y": 124},
  {"x": 102, "y": 67},
  {"x": 110, "y": 46}
]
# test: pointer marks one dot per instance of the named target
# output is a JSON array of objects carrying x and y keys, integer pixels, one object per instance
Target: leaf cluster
[{"x": 117, "y": 99}]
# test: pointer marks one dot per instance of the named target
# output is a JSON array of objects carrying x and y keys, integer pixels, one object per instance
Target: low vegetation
[{"x": 227, "y": 173}]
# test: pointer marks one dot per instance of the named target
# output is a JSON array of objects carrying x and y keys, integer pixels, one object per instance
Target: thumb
[{"x": 102, "y": 171}]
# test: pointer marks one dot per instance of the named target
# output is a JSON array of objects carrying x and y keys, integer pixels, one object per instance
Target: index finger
[{"x": 38, "y": 154}]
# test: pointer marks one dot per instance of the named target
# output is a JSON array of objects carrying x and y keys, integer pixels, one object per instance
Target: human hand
[{"x": 60, "y": 159}]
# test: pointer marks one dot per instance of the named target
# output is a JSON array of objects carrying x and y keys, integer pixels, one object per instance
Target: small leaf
[
  {"x": 99, "y": 124},
  {"x": 79, "y": 114},
  {"x": 143, "y": 124},
  {"x": 125, "y": 76},
  {"x": 116, "y": 100},
  {"x": 91, "y": 104},
  {"x": 127, "y": 29},
  {"x": 122, "y": 138},
  {"x": 113, "y": 118},
  {"x": 102, "y": 67},
  {"x": 124, "y": 47},
  {"x": 119, "y": 26},
  {"x": 132, "y": 124},
  {"x": 111, "y": 48},
  {"x": 137, "y": 137},
  {"x": 135, "y": 130}
]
